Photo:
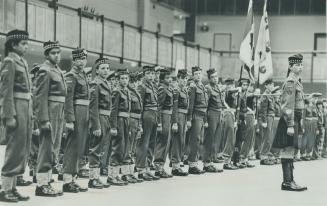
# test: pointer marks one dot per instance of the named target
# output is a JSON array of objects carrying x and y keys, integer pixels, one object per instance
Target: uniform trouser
[
  {"x": 259, "y": 139},
  {"x": 149, "y": 124},
  {"x": 196, "y": 136},
  {"x": 229, "y": 135},
  {"x": 318, "y": 148},
  {"x": 120, "y": 143},
  {"x": 249, "y": 136},
  {"x": 309, "y": 136},
  {"x": 212, "y": 139},
  {"x": 97, "y": 149},
  {"x": 76, "y": 140},
  {"x": 163, "y": 142},
  {"x": 275, "y": 151},
  {"x": 32, "y": 159},
  {"x": 178, "y": 139},
  {"x": 268, "y": 138},
  {"x": 18, "y": 144},
  {"x": 240, "y": 135},
  {"x": 47, "y": 142},
  {"x": 134, "y": 135}
]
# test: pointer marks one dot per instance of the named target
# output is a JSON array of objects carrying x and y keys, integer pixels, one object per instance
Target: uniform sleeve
[
  {"x": 114, "y": 109},
  {"x": 262, "y": 113},
  {"x": 288, "y": 102},
  {"x": 175, "y": 107},
  {"x": 191, "y": 94},
  {"x": 162, "y": 94},
  {"x": 7, "y": 89},
  {"x": 42, "y": 95},
  {"x": 94, "y": 106},
  {"x": 69, "y": 104}
]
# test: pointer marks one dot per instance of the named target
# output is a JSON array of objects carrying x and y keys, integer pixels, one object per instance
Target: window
[
  {"x": 273, "y": 6},
  {"x": 302, "y": 6},
  {"x": 227, "y": 6},
  {"x": 213, "y": 6},
  {"x": 318, "y": 6},
  {"x": 287, "y": 7},
  {"x": 242, "y": 6}
]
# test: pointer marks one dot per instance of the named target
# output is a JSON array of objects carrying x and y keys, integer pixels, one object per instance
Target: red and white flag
[
  {"x": 262, "y": 56},
  {"x": 246, "y": 49}
]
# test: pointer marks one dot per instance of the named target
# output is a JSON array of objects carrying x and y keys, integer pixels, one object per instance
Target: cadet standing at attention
[
  {"x": 50, "y": 93},
  {"x": 197, "y": 115},
  {"x": 100, "y": 109},
  {"x": 16, "y": 112},
  {"x": 212, "y": 139},
  {"x": 290, "y": 124},
  {"x": 119, "y": 123},
  {"x": 181, "y": 101},
  {"x": 77, "y": 120},
  {"x": 166, "y": 101}
]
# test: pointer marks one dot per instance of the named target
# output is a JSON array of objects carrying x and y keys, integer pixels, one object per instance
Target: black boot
[
  {"x": 8, "y": 196},
  {"x": 22, "y": 182},
  {"x": 45, "y": 191},
  {"x": 19, "y": 196},
  {"x": 288, "y": 180}
]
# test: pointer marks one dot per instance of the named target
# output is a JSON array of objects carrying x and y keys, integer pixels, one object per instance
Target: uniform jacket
[
  {"x": 291, "y": 99},
  {"x": 100, "y": 99},
  {"x": 181, "y": 101},
  {"x": 14, "y": 77},
  {"x": 165, "y": 98},
  {"x": 77, "y": 88},
  {"x": 198, "y": 98},
  {"x": 321, "y": 120},
  {"x": 215, "y": 97},
  {"x": 148, "y": 94},
  {"x": 121, "y": 102},
  {"x": 267, "y": 107},
  {"x": 49, "y": 81},
  {"x": 136, "y": 101}
]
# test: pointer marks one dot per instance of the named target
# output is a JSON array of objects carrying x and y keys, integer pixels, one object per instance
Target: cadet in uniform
[
  {"x": 289, "y": 125},
  {"x": 50, "y": 92},
  {"x": 16, "y": 112},
  {"x": 241, "y": 123},
  {"x": 149, "y": 123},
  {"x": 165, "y": 101},
  {"x": 214, "y": 117},
  {"x": 100, "y": 109},
  {"x": 77, "y": 120},
  {"x": 181, "y": 102},
  {"x": 197, "y": 115},
  {"x": 119, "y": 123},
  {"x": 320, "y": 131},
  {"x": 229, "y": 123},
  {"x": 266, "y": 120},
  {"x": 135, "y": 124},
  {"x": 250, "y": 120}
]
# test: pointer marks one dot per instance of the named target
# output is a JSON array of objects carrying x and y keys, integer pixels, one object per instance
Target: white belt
[
  {"x": 104, "y": 112},
  {"x": 84, "y": 102},
  {"x": 22, "y": 95},
  {"x": 184, "y": 111},
  {"x": 57, "y": 99},
  {"x": 167, "y": 112}
]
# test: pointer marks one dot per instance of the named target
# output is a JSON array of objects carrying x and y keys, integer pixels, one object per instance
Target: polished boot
[
  {"x": 116, "y": 181},
  {"x": 144, "y": 177},
  {"x": 129, "y": 179},
  {"x": 179, "y": 172},
  {"x": 22, "y": 182},
  {"x": 95, "y": 184},
  {"x": 70, "y": 187},
  {"x": 195, "y": 171},
  {"x": 288, "y": 179},
  {"x": 8, "y": 196},
  {"x": 19, "y": 196},
  {"x": 45, "y": 191}
]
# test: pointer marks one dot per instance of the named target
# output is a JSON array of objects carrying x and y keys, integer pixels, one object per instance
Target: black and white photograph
[{"x": 163, "y": 102}]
